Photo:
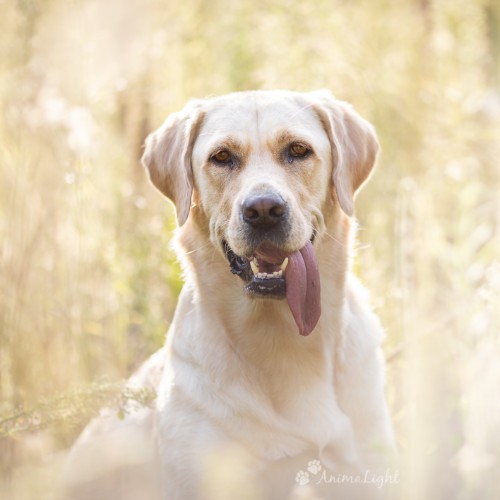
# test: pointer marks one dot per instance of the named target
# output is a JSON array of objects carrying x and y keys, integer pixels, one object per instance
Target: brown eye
[
  {"x": 298, "y": 150},
  {"x": 221, "y": 156}
]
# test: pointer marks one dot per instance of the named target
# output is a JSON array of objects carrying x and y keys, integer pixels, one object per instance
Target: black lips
[
  {"x": 238, "y": 265},
  {"x": 264, "y": 287},
  {"x": 268, "y": 287}
]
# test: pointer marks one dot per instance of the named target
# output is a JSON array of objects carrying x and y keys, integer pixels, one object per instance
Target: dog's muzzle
[
  {"x": 264, "y": 217},
  {"x": 268, "y": 270}
]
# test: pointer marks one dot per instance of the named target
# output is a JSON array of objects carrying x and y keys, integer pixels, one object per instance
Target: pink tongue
[
  {"x": 302, "y": 284},
  {"x": 303, "y": 288}
]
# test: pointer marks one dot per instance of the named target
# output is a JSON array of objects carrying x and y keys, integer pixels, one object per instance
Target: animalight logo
[{"x": 315, "y": 473}]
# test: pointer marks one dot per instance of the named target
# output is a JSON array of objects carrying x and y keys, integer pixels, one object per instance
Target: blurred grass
[{"x": 87, "y": 281}]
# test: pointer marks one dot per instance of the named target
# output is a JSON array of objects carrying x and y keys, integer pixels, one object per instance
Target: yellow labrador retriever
[{"x": 271, "y": 382}]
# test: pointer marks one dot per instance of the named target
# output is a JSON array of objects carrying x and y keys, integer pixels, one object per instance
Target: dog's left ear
[
  {"x": 354, "y": 146},
  {"x": 167, "y": 157}
]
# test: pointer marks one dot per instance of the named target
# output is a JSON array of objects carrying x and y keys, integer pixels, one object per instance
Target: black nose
[{"x": 264, "y": 211}]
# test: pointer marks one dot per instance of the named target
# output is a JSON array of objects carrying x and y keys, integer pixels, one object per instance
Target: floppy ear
[
  {"x": 167, "y": 157},
  {"x": 354, "y": 147}
]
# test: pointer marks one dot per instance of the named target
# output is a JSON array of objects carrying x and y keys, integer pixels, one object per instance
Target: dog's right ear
[{"x": 167, "y": 157}]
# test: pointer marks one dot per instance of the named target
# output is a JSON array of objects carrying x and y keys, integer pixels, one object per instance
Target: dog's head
[{"x": 261, "y": 167}]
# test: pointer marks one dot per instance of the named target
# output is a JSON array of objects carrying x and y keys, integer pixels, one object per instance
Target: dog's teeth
[
  {"x": 254, "y": 267},
  {"x": 284, "y": 264},
  {"x": 266, "y": 276}
]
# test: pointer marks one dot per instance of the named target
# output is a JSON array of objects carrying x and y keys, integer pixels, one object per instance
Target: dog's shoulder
[
  {"x": 359, "y": 342},
  {"x": 360, "y": 320}
]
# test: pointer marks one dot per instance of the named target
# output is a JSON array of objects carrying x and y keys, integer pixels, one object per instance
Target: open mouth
[
  {"x": 262, "y": 277},
  {"x": 276, "y": 274}
]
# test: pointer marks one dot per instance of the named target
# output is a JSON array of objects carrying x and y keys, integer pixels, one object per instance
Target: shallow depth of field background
[{"x": 88, "y": 282}]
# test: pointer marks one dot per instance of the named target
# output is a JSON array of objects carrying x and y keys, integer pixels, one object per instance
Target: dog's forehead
[{"x": 258, "y": 117}]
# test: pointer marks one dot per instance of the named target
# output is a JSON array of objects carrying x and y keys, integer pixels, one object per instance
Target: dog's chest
[{"x": 302, "y": 418}]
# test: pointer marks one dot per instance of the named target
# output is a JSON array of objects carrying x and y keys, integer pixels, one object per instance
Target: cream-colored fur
[{"x": 244, "y": 402}]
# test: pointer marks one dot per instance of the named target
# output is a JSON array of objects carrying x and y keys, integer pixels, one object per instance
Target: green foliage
[{"x": 76, "y": 406}]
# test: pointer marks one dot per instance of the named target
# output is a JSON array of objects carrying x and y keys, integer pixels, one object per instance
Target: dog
[{"x": 271, "y": 383}]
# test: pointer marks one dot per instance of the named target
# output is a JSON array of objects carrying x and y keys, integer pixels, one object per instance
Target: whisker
[
  {"x": 196, "y": 249},
  {"x": 334, "y": 239}
]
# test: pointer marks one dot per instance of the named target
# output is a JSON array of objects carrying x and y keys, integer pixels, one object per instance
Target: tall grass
[{"x": 88, "y": 282}]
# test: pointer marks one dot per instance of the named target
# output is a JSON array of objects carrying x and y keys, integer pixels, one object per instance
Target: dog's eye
[
  {"x": 299, "y": 150},
  {"x": 223, "y": 156}
]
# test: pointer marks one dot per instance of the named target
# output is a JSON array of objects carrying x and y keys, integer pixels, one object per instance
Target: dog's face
[{"x": 261, "y": 166}]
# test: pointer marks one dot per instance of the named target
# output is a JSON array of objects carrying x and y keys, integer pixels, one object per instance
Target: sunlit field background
[{"x": 88, "y": 282}]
